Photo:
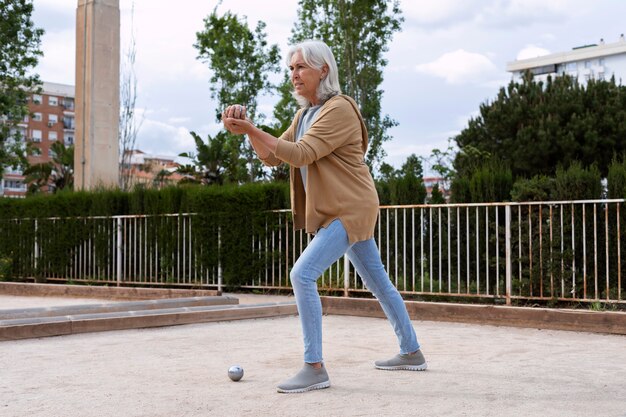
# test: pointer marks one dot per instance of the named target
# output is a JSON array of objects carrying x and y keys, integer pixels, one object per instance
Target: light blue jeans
[{"x": 328, "y": 245}]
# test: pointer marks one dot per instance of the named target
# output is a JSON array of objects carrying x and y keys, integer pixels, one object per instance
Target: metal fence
[
  {"x": 119, "y": 250},
  {"x": 565, "y": 251}
]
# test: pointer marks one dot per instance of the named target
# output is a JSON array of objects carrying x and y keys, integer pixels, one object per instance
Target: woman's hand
[
  {"x": 234, "y": 111},
  {"x": 235, "y": 121}
]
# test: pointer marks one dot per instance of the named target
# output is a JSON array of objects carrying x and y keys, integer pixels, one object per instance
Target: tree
[
  {"x": 442, "y": 162},
  {"x": 409, "y": 188},
  {"x": 240, "y": 60},
  {"x": 402, "y": 186},
  {"x": 129, "y": 126},
  {"x": 616, "y": 178},
  {"x": 19, "y": 52},
  {"x": 284, "y": 112},
  {"x": 489, "y": 181},
  {"x": 358, "y": 32},
  {"x": 436, "y": 196},
  {"x": 210, "y": 163},
  {"x": 55, "y": 174},
  {"x": 387, "y": 174},
  {"x": 535, "y": 126}
]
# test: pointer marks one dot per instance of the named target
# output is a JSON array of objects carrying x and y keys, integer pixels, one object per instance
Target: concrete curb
[
  {"x": 26, "y": 328},
  {"x": 110, "y": 293},
  {"x": 24, "y": 313},
  {"x": 540, "y": 318}
]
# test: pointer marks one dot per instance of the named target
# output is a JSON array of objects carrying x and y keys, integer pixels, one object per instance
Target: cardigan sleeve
[
  {"x": 288, "y": 136},
  {"x": 335, "y": 124},
  {"x": 271, "y": 160}
]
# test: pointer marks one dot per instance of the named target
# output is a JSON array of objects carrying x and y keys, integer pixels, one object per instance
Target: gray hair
[{"x": 315, "y": 54}]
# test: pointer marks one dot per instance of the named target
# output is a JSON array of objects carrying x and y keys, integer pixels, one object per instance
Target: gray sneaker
[
  {"x": 414, "y": 362},
  {"x": 307, "y": 379}
]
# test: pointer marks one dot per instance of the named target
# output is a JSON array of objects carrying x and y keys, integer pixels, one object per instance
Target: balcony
[
  {"x": 69, "y": 124},
  {"x": 68, "y": 105}
]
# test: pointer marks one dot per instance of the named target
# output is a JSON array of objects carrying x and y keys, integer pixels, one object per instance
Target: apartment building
[
  {"x": 152, "y": 171},
  {"x": 599, "y": 61},
  {"x": 51, "y": 120}
]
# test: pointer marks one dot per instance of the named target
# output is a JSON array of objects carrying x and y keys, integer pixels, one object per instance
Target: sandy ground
[{"x": 182, "y": 371}]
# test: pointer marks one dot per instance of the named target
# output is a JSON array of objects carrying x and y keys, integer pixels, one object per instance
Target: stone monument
[{"x": 96, "y": 152}]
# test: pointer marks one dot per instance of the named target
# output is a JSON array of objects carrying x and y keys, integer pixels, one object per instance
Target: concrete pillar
[{"x": 96, "y": 150}]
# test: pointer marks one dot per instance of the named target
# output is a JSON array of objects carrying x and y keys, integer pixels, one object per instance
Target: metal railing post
[
  {"x": 36, "y": 248},
  {"x": 119, "y": 251},
  {"x": 507, "y": 227},
  {"x": 346, "y": 276},
  {"x": 219, "y": 261}
]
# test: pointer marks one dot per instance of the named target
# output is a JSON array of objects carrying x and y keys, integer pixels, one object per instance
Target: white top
[{"x": 308, "y": 117}]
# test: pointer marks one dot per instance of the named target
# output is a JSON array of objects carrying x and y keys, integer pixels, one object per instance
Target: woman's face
[{"x": 305, "y": 79}]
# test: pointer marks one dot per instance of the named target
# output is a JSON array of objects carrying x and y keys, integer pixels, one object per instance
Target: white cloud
[
  {"x": 199, "y": 70},
  {"x": 459, "y": 67},
  {"x": 399, "y": 151},
  {"x": 495, "y": 13},
  {"x": 531, "y": 51},
  {"x": 463, "y": 121},
  {"x": 57, "y": 64},
  {"x": 163, "y": 139},
  {"x": 439, "y": 12},
  {"x": 68, "y": 5},
  {"x": 178, "y": 120},
  {"x": 518, "y": 13}
]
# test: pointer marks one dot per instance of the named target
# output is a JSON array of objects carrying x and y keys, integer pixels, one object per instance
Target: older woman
[{"x": 333, "y": 197}]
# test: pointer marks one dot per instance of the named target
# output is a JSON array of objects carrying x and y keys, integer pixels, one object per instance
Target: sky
[{"x": 449, "y": 58}]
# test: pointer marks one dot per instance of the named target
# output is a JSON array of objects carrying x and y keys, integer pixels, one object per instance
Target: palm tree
[
  {"x": 209, "y": 163},
  {"x": 55, "y": 174}
]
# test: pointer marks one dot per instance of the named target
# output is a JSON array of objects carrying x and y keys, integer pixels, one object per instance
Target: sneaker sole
[
  {"x": 421, "y": 367},
  {"x": 321, "y": 385}
]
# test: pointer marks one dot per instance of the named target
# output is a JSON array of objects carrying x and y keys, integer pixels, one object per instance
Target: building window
[
  {"x": 546, "y": 69},
  {"x": 52, "y": 135},
  {"x": 68, "y": 122},
  {"x": 51, "y": 154},
  {"x": 68, "y": 104},
  {"x": 37, "y": 98},
  {"x": 14, "y": 185},
  {"x": 52, "y": 119},
  {"x": 69, "y": 140},
  {"x": 53, "y": 101},
  {"x": 13, "y": 171},
  {"x": 36, "y": 135},
  {"x": 37, "y": 117},
  {"x": 571, "y": 67}
]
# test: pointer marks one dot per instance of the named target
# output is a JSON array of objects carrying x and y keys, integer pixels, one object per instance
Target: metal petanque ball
[{"x": 235, "y": 373}]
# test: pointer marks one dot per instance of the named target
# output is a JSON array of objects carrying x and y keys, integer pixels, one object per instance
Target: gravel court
[{"x": 182, "y": 371}]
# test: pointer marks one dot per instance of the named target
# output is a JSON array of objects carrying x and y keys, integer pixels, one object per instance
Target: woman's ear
[{"x": 324, "y": 72}]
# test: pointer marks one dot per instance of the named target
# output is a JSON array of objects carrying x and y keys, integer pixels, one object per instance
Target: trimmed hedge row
[
  {"x": 238, "y": 212},
  {"x": 493, "y": 182},
  {"x": 183, "y": 199}
]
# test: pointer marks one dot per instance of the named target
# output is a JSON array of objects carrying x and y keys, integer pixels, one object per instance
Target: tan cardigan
[{"x": 339, "y": 184}]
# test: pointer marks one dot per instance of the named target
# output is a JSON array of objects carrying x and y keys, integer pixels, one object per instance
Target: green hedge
[
  {"x": 578, "y": 183},
  {"x": 574, "y": 183},
  {"x": 238, "y": 212},
  {"x": 184, "y": 199},
  {"x": 616, "y": 178},
  {"x": 490, "y": 182}
]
